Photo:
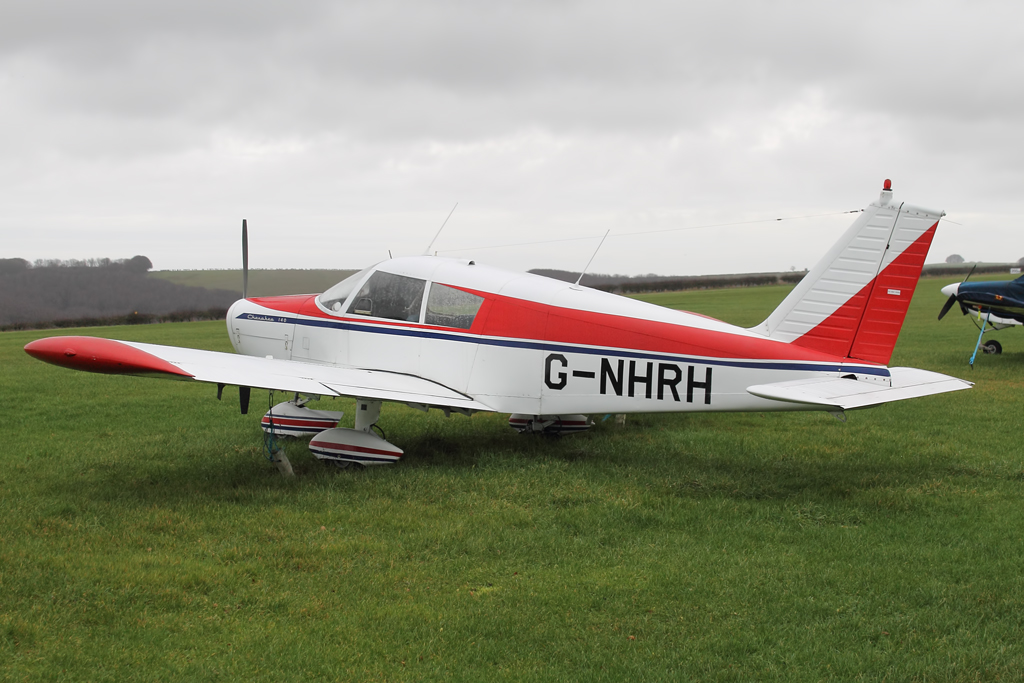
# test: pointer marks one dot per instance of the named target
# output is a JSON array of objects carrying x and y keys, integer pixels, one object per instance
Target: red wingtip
[{"x": 93, "y": 354}]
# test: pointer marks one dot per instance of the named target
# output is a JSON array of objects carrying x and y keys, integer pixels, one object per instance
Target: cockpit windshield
[
  {"x": 334, "y": 298},
  {"x": 386, "y": 295},
  {"x": 399, "y": 297}
]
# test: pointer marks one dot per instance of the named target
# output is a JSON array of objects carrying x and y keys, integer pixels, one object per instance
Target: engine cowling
[{"x": 549, "y": 424}]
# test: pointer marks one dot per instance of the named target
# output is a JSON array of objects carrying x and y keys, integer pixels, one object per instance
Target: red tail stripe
[{"x": 867, "y": 326}]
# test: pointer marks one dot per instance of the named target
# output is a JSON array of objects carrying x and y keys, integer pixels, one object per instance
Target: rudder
[{"x": 853, "y": 303}]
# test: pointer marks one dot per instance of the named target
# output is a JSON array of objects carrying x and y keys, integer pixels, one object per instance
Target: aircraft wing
[
  {"x": 847, "y": 394},
  {"x": 172, "y": 362}
]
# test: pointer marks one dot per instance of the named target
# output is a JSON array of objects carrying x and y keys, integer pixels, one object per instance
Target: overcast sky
[{"x": 343, "y": 130}]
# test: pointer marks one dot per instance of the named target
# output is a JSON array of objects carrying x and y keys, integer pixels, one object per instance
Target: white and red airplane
[{"x": 435, "y": 332}]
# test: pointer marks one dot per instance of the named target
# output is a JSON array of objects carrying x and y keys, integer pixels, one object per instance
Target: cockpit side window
[
  {"x": 334, "y": 298},
  {"x": 386, "y": 295},
  {"x": 450, "y": 307}
]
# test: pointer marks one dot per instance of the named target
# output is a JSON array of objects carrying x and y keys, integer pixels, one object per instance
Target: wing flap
[
  {"x": 831, "y": 393},
  {"x": 308, "y": 378}
]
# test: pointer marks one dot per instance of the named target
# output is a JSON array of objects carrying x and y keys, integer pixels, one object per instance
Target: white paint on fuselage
[
  {"x": 259, "y": 331},
  {"x": 509, "y": 375}
]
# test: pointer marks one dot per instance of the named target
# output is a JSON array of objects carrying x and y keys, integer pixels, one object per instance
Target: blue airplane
[{"x": 995, "y": 305}]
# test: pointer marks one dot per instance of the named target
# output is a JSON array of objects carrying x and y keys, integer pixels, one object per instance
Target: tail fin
[{"x": 853, "y": 302}]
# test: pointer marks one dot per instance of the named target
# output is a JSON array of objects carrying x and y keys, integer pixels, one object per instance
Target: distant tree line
[
  {"x": 136, "y": 264},
  {"x": 73, "y": 293},
  {"x": 129, "y": 319},
  {"x": 954, "y": 268},
  {"x": 634, "y": 284}
]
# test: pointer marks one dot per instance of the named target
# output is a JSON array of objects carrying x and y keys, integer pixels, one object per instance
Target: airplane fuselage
[
  {"x": 442, "y": 333},
  {"x": 531, "y": 345}
]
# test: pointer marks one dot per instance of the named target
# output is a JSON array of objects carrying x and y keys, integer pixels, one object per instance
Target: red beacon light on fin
[{"x": 886, "y": 195}]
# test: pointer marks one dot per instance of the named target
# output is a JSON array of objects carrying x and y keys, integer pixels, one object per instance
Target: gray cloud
[{"x": 151, "y": 128}]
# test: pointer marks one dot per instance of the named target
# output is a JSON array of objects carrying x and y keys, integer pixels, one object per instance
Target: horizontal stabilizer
[{"x": 831, "y": 393}]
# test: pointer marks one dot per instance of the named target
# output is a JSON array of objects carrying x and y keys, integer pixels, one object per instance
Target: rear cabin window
[
  {"x": 389, "y": 296},
  {"x": 450, "y": 307}
]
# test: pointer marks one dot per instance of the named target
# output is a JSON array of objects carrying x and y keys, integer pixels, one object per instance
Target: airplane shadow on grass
[{"x": 659, "y": 461}]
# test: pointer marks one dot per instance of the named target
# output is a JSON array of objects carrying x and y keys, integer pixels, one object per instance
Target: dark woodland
[
  {"x": 77, "y": 293},
  {"x": 631, "y": 284},
  {"x": 635, "y": 284},
  {"x": 98, "y": 291}
]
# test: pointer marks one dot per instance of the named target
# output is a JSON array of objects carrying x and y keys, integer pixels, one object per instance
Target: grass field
[{"x": 146, "y": 538}]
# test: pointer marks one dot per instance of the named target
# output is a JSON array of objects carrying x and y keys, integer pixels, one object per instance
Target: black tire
[
  {"x": 992, "y": 347},
  {"x": 339, "y": 464}
]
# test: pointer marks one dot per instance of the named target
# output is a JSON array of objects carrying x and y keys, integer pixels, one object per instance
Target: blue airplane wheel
[{"x": 992, "y": 347}]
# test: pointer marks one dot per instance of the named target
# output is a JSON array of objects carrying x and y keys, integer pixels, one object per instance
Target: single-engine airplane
[
  {"x": 995, "y": 305},
  {"x": 462, "y": 337}
]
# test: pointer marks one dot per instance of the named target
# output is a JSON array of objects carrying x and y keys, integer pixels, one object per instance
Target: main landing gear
[
  {"x": 338, "y": 446},
  {"x": 361, "y": 446}
]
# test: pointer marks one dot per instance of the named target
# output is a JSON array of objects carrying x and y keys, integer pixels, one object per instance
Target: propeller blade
[
  {"x": 970, "y": 273},
  {"x": 946, "y": 306},
  {"x": 245, "y": 259}
]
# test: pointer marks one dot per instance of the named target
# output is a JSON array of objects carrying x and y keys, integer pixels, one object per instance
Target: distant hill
[
  {"x": 627, "y": 284},
  {"x": 55, "y": 291},
  {"x": 261, "y": 282},
  {"x": 966, "y": 267},
  {"x": 100, "y": 291},
  {"x": 632, "y": 284}
]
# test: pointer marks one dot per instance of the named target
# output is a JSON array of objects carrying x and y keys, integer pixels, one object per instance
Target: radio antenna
[
  {"x": 577, "y": 283},
  {"x": 427, "y": 252}
]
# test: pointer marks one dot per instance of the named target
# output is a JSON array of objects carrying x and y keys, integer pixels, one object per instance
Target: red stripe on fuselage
[
  {"x": 521, "y": 319},
  {"x": 301, "y": 304},
  {"x": 502, "y": 316}
]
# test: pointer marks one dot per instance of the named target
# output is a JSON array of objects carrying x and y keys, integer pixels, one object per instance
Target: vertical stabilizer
[{"x": 853, "y": 302}]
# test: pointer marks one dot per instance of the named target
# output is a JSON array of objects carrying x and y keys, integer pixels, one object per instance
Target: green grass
[{"x": 146, "y": 538}]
